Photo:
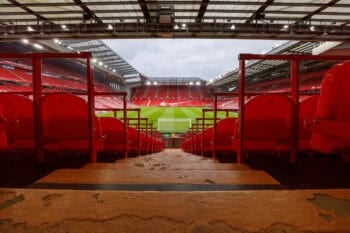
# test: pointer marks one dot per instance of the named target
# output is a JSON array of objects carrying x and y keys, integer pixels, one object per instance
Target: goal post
[{"x": 174, "y": 125}]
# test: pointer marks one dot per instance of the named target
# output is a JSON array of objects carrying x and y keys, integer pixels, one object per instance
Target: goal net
[{"x": 173, "y": 125}]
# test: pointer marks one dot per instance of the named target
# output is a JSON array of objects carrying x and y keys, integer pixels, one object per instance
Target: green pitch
[{"x": 154, "y": 113}]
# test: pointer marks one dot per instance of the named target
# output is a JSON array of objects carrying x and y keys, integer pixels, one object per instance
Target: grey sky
[{"x": 202, "y": 58}]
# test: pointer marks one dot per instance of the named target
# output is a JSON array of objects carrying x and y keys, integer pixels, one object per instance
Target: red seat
[
  {"x": 225, "y": 134},
  {"x": 331, "y": 128},
  {"x": 18, "y": 112},
  {"x": 113, "y": 133},
  {"x": 65, "y": 123},
  {"x": 207, "y": 146},
  {"x": 267, "y": 123},
  {"x": 307, "y": 111},
  {"x": 3, "y": 137},
  {"x": 133, "y": 140}
]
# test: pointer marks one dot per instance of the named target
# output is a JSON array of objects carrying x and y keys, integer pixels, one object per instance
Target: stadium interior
[{"x": 89, "y": 143}]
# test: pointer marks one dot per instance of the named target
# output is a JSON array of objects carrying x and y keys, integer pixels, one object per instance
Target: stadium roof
[
  {"x": 104, "y": 56},
  {"x": 273, "y": 19},
  {"x": 257, "y": 70}
]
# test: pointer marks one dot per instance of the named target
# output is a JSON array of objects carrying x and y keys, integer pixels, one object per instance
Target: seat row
[
  {"x": 65, "y": 127},
  {"x": 267, "y": 127},
  {"x": 324, "y": 122}
]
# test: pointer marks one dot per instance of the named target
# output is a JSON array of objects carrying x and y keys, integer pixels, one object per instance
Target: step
[{"x": 134, "y": 176}]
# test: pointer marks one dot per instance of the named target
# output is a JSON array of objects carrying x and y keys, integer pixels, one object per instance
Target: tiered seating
[
  {"x": 8, "y": 75},
  {"x": 267, "y": 123},
  {"x": 166, "y": 95}
]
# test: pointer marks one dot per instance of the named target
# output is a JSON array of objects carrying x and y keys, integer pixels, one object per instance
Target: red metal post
[
  {"x": 147, "y": 135},
  {"x": 91, "y": 109},
  {"x": 294, "y": 67},
  {"x": 202, "y": 132},
  {"x": 138, "y": 132},
  {"x": 38, "y": 127},
  {"x": 215, "y": 116},
  {"x": 241, "y": 97},
  {"x": 125, "y": 129}
]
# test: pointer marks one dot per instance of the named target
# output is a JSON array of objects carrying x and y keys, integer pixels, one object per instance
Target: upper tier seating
[{"x": 164, "y": 95}]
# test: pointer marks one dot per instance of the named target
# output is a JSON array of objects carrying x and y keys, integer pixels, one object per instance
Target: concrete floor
[{"x": 97, "y": 211}]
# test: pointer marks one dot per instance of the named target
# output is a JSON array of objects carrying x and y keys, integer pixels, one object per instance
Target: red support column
[
  {"x": 91, "y": 109},
  {"x": 240, "y": 149},
  {"x": 215, "y": 116},
  {"x": 138, "y": 133},
  {"x": 294, "y": 67},
  {"x": 147, "y": 135},
  {"x": 38, "y": 127},
  {"x": 125, "y": 129},
  {"x": 202, "y": 132}
]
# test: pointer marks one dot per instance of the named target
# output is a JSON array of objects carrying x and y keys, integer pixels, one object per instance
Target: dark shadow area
[
  {"x": 318, "y": 172},
  {"x": 20, "y": 170}
]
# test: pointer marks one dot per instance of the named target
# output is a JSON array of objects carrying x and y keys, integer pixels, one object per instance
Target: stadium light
[
  {"x": 100, "y": 63},
  {"x": 148, "y": 83},
  {"x": 56, "y": 40},
  {"x": 114, "y": 70},
  {"x": 176, "y": 27},
  {"x": 25, "y": 41},
  {"x": 211, "y": 81},
  {"x": 155, "y": 83},
  {"x": 94, "y": 60},
  {"x": 233, "y": 27},
  {"x": 30, "y": 29},
  {"x": 198, "y": 83},
  {"x": 38, "y": 46},
  {"x": 105, "y": 66},
  {"x": 183, "y": 25},
  {"x": 191, "y": 83},
  {"x": 110, "y": 27},
  {"x": 64, "y": 27},
  {"x": 312, "y": 28}
]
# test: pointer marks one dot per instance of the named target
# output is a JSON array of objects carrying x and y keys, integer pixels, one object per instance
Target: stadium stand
[
  {"x": 65, "y": 122},
  {"x": 170, "y": 95}
]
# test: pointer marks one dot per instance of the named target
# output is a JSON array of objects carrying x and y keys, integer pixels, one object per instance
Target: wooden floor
[
  {"x": 63, "y": 201},
  {"x": 172, "y": 166}
]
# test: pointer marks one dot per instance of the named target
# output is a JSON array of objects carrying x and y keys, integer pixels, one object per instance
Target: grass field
[{"x": 154, "y": 113}]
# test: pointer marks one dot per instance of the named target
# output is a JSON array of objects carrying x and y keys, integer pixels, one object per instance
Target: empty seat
[
  {"x": 18, "y": 112},
  {"x": 307, "y": 111},
  {"x": 133, "y": 140},
  {"x": 113, "y": 134},
  {"x": 332, "y": 121},
  {"x": 3, "y": 138},
  {"x": 65, "y": 123},
  {"x": 267, "y": 123},
  {"x": 207, "y": 146},
  {"x": 225, "y": 134}
]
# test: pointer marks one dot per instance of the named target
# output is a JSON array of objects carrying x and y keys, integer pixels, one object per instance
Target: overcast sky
[{"x": 202, "y": 58}]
